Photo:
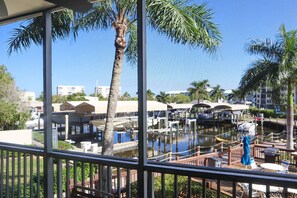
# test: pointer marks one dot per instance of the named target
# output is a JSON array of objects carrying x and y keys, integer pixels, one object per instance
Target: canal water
[{"x": 185, "y": 143}]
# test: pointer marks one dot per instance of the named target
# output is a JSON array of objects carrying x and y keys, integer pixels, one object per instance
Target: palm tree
[
  {"x": 235, "y": 95},
  {"x": 150, "y": 95},
  {"x": 217, "y": 93},
  {"x": 163, "y": 97},
  {"x": 125, "y": 96},
  {"x": 181, "y": 22},
  {"x": 276, "y": 66},
  {"x": 199, "y": 90}
]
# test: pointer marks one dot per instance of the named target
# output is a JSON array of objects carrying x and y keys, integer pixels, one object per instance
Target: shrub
[
  {"x": 64, "y": 145},
  {"x": 182, "y": 188},
  {"x": 38, "y": 137},
  {"x": 267, "y": 112},
  {"x": 61, "y": 144}
]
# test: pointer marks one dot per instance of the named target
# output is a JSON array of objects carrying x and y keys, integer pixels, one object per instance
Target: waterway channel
[{"x": 186, "y": 143}]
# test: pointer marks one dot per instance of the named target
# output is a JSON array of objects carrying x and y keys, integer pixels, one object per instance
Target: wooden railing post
[
  {"x": 229, "y": 155},
  {"x": 254, "y": 149},
  {"x": 197, "y": 154},
  {"x": 197, "y": 150},
  {"x": 205, "y": 161}
]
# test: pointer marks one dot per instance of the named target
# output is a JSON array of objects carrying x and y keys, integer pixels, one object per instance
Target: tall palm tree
[
  {"x": 276, "y": 66},
  {"x": 150, "y": 95},
  {"x": 199, "y": 90},
  {"x": 163, "y": 97},
  {"x": 217, "y": 93},
  {"x": 180, "y": 21}
]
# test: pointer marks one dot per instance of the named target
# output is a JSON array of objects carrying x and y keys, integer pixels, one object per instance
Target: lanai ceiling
[{"x": 13, "y": 10}]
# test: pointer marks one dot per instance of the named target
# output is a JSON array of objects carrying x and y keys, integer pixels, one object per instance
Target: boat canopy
[
  {"x": 221, "y": 106},
  {"x": 100, "y": 107},
  {"x": 70, "y": 105},
  {"x": 179, "y": 106}
]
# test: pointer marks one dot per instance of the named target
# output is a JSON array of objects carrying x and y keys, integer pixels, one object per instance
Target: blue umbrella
[{"x": 246, "y": 159}]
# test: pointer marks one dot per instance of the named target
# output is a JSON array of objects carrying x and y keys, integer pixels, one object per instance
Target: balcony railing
[{"x": 22, "y": 175}]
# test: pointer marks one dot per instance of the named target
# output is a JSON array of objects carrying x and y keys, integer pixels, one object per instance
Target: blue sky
[{"x": 170, "y": 66}]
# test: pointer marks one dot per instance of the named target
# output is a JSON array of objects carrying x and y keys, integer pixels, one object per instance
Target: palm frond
[
  {"x": 265, "y": 48},
  {"x": 260, "y": 72},
  {"x": 101, "y": 16},
  {"x": 289, "y": 45},
  {"x": 217, "y": 93},
  {"x": 184, "y": 24},
  {"x": 131, "y": 50},
  {"x": 32, "y": 31}
]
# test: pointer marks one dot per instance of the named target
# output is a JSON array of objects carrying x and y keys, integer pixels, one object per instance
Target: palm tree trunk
[
  {"x": 120, "y": 45},
  {"x": 260, "y": 97},
  {"x": 108, "y": 137},
  {"x": 290, "y": 116}
]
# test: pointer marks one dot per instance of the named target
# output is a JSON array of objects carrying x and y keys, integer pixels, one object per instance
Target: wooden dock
[
  {"x": 119, "y": 147},
  {"x": 278, "y": 123}
]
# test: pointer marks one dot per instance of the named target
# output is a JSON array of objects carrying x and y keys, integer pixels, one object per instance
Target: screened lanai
[{"x": 108, "y": 175}]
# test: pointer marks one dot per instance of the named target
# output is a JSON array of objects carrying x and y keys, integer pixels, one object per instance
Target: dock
[
  {"x": 119, "y": 147},
  {"x": 279, "y": 123}
]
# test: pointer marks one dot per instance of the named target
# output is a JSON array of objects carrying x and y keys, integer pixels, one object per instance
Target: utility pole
[{"x": 96, "y": 89}]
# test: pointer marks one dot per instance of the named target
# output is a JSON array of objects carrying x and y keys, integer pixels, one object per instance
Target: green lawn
[{"x": 20, "y": 165}]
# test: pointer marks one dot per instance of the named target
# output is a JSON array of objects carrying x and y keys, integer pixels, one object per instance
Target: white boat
[
  {"x": 248, "y": 127},
  {"x": 33, "y": 123}
]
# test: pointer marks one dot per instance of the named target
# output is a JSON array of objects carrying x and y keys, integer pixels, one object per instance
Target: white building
[
  {"x": 104, "y": 91},
  {"x": 264, "y": 97},
  {"x": 69, "y": 90}
]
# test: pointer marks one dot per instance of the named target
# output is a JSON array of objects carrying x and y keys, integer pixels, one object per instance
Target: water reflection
[{"x": 185, "y": 142}]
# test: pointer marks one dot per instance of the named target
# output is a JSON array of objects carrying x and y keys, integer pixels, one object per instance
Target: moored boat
[
  {"x": 248, "y": 127},
  {"x": 221, "y": 139}
]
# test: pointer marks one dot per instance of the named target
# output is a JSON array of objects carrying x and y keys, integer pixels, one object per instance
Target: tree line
[{"x": 14, "y": 111}]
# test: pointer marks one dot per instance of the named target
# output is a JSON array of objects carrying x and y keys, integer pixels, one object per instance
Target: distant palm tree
[
  {"x": 199, "y": 90},
  {"x": 182, "y": 22},
  {"x": 163, "y": 97},
  {"x": 125, "y": 96},
  {"x": 101, "y": 97},
  {"x": 150, "y": 95},
  {"x": 276, "y": 66},
  {"x": 217, "y": 93},
  {"x": 235, "y": 95}
]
